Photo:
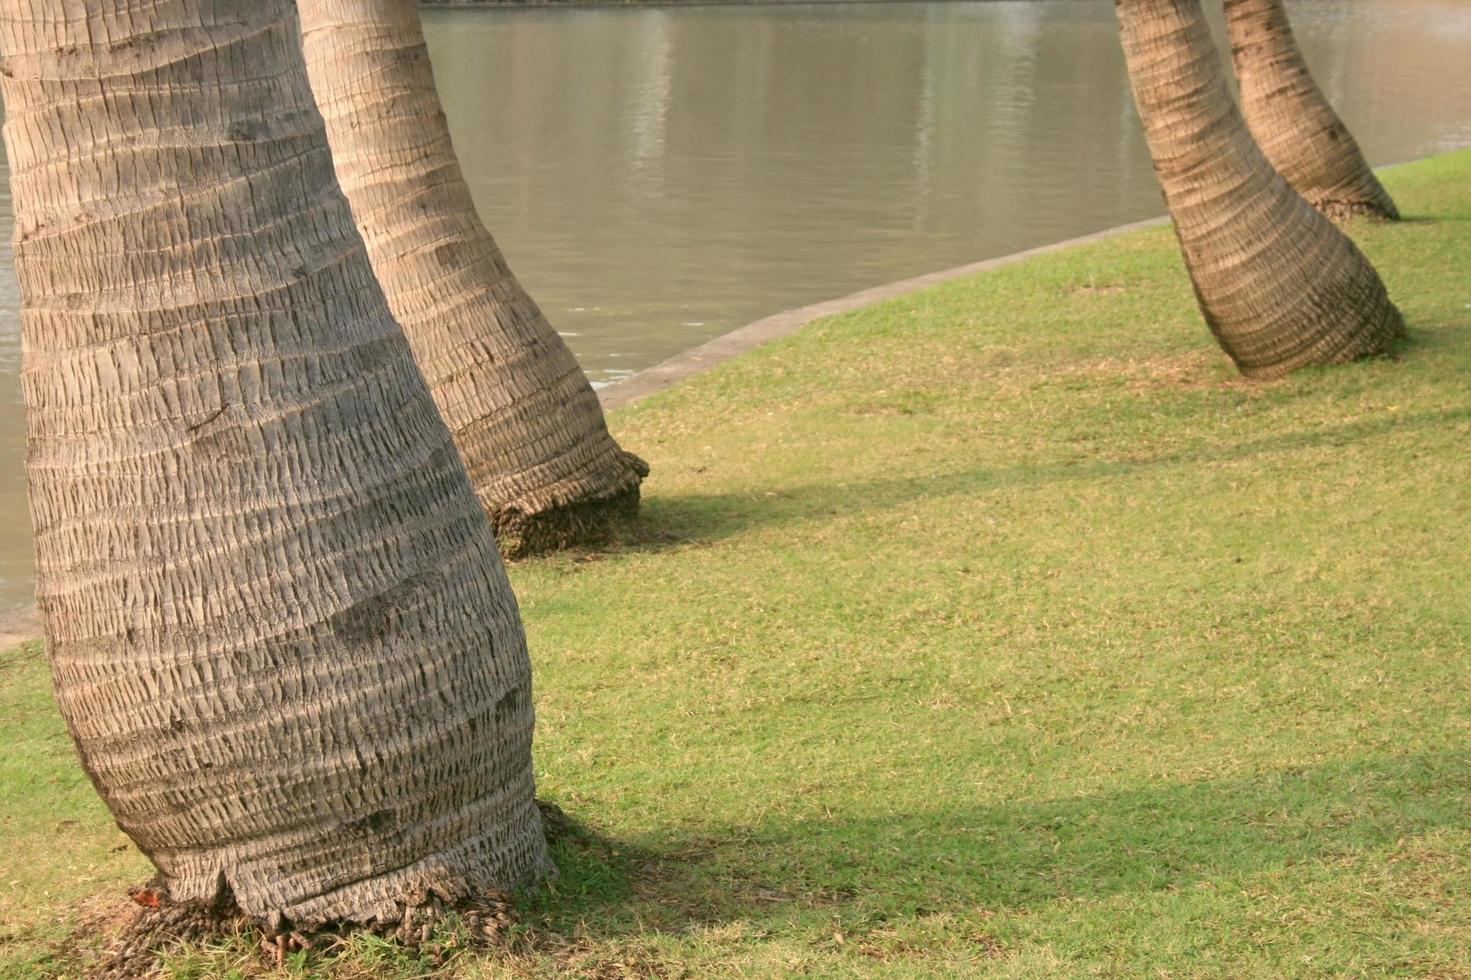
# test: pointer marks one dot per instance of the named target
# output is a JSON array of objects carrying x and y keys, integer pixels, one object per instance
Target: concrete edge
[{"x": 637, "y": 387}]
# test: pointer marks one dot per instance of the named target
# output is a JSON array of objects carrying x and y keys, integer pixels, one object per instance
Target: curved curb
[{"x": 637, "y": 387}]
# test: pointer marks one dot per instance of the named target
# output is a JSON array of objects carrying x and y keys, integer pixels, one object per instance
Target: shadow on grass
[
  {"x": 696, "y": 519},
  {"x": 1012, "y": 856}
]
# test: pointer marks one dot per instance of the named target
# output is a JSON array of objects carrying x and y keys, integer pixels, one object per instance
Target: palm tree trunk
[
  {"x": 280, "y": 633},
  {"x": 1279, "y": 285},
  {"x": 523, "y": 415},
  {"x": 1291, "y": 119}
]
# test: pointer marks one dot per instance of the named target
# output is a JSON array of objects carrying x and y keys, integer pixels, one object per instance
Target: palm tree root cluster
[
  {"x": 1349, "y": 209},
  {"x": 522, "y": 533},
  {"x": 160, "y": 924}
]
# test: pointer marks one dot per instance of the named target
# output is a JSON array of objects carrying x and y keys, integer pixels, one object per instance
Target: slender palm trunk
[
  {"x": 1291, "y": 119},
  {"x": 523, "y": 416},
  {"x": 280, "y": 632},
  {"x": 1280, "y": 286}
]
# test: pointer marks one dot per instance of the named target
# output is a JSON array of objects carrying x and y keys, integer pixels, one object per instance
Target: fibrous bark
[
  {"x": 1280, "y": 286},
  {"x": 1292, "y": 120},
  {"x": 280, "y": 632},
  {"x": 524, "y": 418}
]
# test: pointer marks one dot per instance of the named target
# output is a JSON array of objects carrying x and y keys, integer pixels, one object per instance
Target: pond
[{"x": 658, "y": 176}]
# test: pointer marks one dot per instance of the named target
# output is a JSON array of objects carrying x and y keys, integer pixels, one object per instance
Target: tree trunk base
[
  {"x": 583, "y": 523},
  {"x": 1378, "y": 340},
  {"x": 1341, "y": 211},
  {"x": 158, "y": 925},
  {"x": 161, "y": 925}
]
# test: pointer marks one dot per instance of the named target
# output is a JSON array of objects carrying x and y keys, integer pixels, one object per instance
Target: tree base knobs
[
  {"x": 524, "y": 533},
  {"x": 433, "y": 930},
  {"x": 1341, "y": 211}
]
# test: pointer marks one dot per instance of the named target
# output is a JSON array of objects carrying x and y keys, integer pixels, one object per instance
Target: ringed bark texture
[
  {"x": 524, "y": 418},
  {"x": 1280, "y": 286},
  {"x": 1292, "y": 120},
  {"x": 280, "y": 632}
]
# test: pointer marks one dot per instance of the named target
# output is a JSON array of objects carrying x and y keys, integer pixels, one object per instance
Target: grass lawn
[{"x": 998, "y": 630}]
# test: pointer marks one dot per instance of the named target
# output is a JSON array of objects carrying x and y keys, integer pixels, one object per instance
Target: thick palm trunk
[
  {"x": 523, "y": 416},
  {"x": 1280, "y": 286},
  {"x": 1291, "y": 119},
  {"x": 280, "y": 633}
]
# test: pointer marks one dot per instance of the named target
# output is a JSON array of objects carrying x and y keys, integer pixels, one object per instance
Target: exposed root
[
  {"x": 160, "y": 925},
  {"x": 589, "y": 522},
  {"x": 155, "y": 925},
  {"x": 433, "y": 934},
  {"x": 1341, "y": 211}
]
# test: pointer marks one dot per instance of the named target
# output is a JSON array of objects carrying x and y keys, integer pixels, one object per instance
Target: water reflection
[
  {"x": 661, "y": 175},
  {"x": 682, "y": 171}
]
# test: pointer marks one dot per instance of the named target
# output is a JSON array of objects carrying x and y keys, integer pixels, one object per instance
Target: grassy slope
[{"x": 999, "y": 629}]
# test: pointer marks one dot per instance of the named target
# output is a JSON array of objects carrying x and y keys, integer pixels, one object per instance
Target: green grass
[{"x": 998, "y": 630}]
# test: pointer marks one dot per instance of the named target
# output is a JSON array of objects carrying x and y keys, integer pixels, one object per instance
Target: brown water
[{"x": 658, "y": 176}]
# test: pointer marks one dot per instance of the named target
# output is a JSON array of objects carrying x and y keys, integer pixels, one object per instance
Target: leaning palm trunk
[
  {"x": 1291, "y": 119},
  {"x": 525, "y": 420},
  {"x": 1280, "y": 286},
  {"x": 280, "y": 633}
]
